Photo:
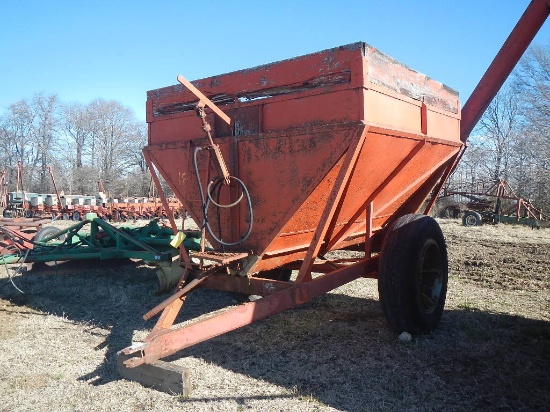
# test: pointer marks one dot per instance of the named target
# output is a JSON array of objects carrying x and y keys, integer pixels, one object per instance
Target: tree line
[
  {"x": 102, "y": 141},
  {"x": 84, "y": 144},
  {"x": 512, "y": 139}
]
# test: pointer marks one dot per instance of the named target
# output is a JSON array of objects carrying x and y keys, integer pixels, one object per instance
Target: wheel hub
[{"x": 429, "y": 277}]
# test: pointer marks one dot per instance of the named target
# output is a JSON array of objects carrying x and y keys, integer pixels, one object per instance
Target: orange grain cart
[{"x": 342, "y": 149}]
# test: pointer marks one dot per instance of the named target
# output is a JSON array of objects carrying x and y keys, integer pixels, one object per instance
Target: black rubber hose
[{"x": 206, "y": 203}]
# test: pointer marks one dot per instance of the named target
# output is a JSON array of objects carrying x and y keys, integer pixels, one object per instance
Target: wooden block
[{"x": 162, "y": 376}]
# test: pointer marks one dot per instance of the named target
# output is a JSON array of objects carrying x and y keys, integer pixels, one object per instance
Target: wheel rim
[
  {"x": 471, "y": 220},
  {"x": 429, "y": 277}
]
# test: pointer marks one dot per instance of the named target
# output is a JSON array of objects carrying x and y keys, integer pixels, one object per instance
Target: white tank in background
[
  {"x": 37, "y": 200},
  {"x": 90, "y": 201},
  {"x": 50, "y": 200},
  {"x": 101, "y": 199}
]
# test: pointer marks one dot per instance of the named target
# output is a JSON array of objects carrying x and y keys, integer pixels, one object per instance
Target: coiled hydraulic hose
[{"x": 214, "y": 185}]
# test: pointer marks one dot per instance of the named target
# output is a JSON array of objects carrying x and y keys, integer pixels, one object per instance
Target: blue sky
[{"x": 120, "y": 49}]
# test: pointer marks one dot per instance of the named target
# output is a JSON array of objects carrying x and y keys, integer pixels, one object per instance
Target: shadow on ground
[{"x": 336, "y": 349}]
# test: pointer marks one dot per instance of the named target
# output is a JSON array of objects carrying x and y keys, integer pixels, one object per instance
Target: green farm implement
[{"x": 94, "y": 239}]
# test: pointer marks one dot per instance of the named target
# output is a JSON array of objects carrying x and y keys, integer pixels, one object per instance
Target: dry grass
[{"x": 492, "y": 350}]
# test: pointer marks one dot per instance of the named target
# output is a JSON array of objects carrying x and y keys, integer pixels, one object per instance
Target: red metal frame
[
  {"x": 501, "y": 190},
  {"x": 163, "y": 342},
  {"x": 334, "y": 147},
  {"x": 114, "y": 211},
  {"x": 13, "y": 236},
  {"x": 19, "y": 185}
]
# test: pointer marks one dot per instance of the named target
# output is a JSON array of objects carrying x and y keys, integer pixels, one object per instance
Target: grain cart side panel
[
  {"x": 373, "y": 174},
  {"x": 400, "y": 98}
]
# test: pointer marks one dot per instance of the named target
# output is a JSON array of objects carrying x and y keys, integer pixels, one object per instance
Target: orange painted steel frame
[{"x": 332, "y": 146}]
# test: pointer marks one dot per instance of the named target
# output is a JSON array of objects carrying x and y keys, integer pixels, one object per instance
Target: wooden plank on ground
[{"x": 162, "y": 376}]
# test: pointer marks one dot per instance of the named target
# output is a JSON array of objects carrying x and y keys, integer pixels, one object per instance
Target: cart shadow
[
  {"x": 336, "y": 350},
  {"x": 108, "y": 301}
]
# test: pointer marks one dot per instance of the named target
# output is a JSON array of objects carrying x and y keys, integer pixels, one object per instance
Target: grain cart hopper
[{"x": 281, "y": 164}]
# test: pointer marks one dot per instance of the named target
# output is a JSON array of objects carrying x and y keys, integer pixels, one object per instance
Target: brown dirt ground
[{"x": 58, "y": 341}]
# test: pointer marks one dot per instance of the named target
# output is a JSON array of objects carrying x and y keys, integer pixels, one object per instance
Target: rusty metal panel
[
  {"x": 327, "y": 84},
  {"x": 392, "y": 75},
  {"x": 292, "y": 124}
]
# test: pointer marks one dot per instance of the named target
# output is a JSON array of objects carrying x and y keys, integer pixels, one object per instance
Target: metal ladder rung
[{"x": 219, "y": 257}]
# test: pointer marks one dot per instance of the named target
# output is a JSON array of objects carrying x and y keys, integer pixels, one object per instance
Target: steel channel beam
[
  {"x": 332, "y": 204},
  {"x": 167, "y": 342}
]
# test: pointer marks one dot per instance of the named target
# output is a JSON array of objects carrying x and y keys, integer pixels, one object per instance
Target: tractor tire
[
  {"x": 413, "y": 274},
  {"x": 48, "y": 231},
  {"x": 472, "y": 218}
]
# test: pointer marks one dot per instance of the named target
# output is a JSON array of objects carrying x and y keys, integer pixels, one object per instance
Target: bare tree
[
  {"x": 44, "y": 136},
  {"x": 513, "y": 139},
  {"x": 85, "y": 144},
  {"x": 499, "y": 126},
  {"x": 8, "y": 144},
  {"x": 473, "y": 172},
  {"x": 28, "y": 136},
  {"x": 75, "y": 124},
  {"x": 531, "y": 83},
  {"x": 77, "y": 128},
  {"x": 116, "y": 139},
  {"x": 18, "y": 132}
]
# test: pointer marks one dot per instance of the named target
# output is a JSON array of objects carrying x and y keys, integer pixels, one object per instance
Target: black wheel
[
  {"x": 48, "y": 231},
  {"x": 472, "y": 218},
  {"x": 27, "y": 213},
  {"x": 413, "y": 274},
  {"x": 76, "y": 216},
  {"x": 6, "y": 213}
]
